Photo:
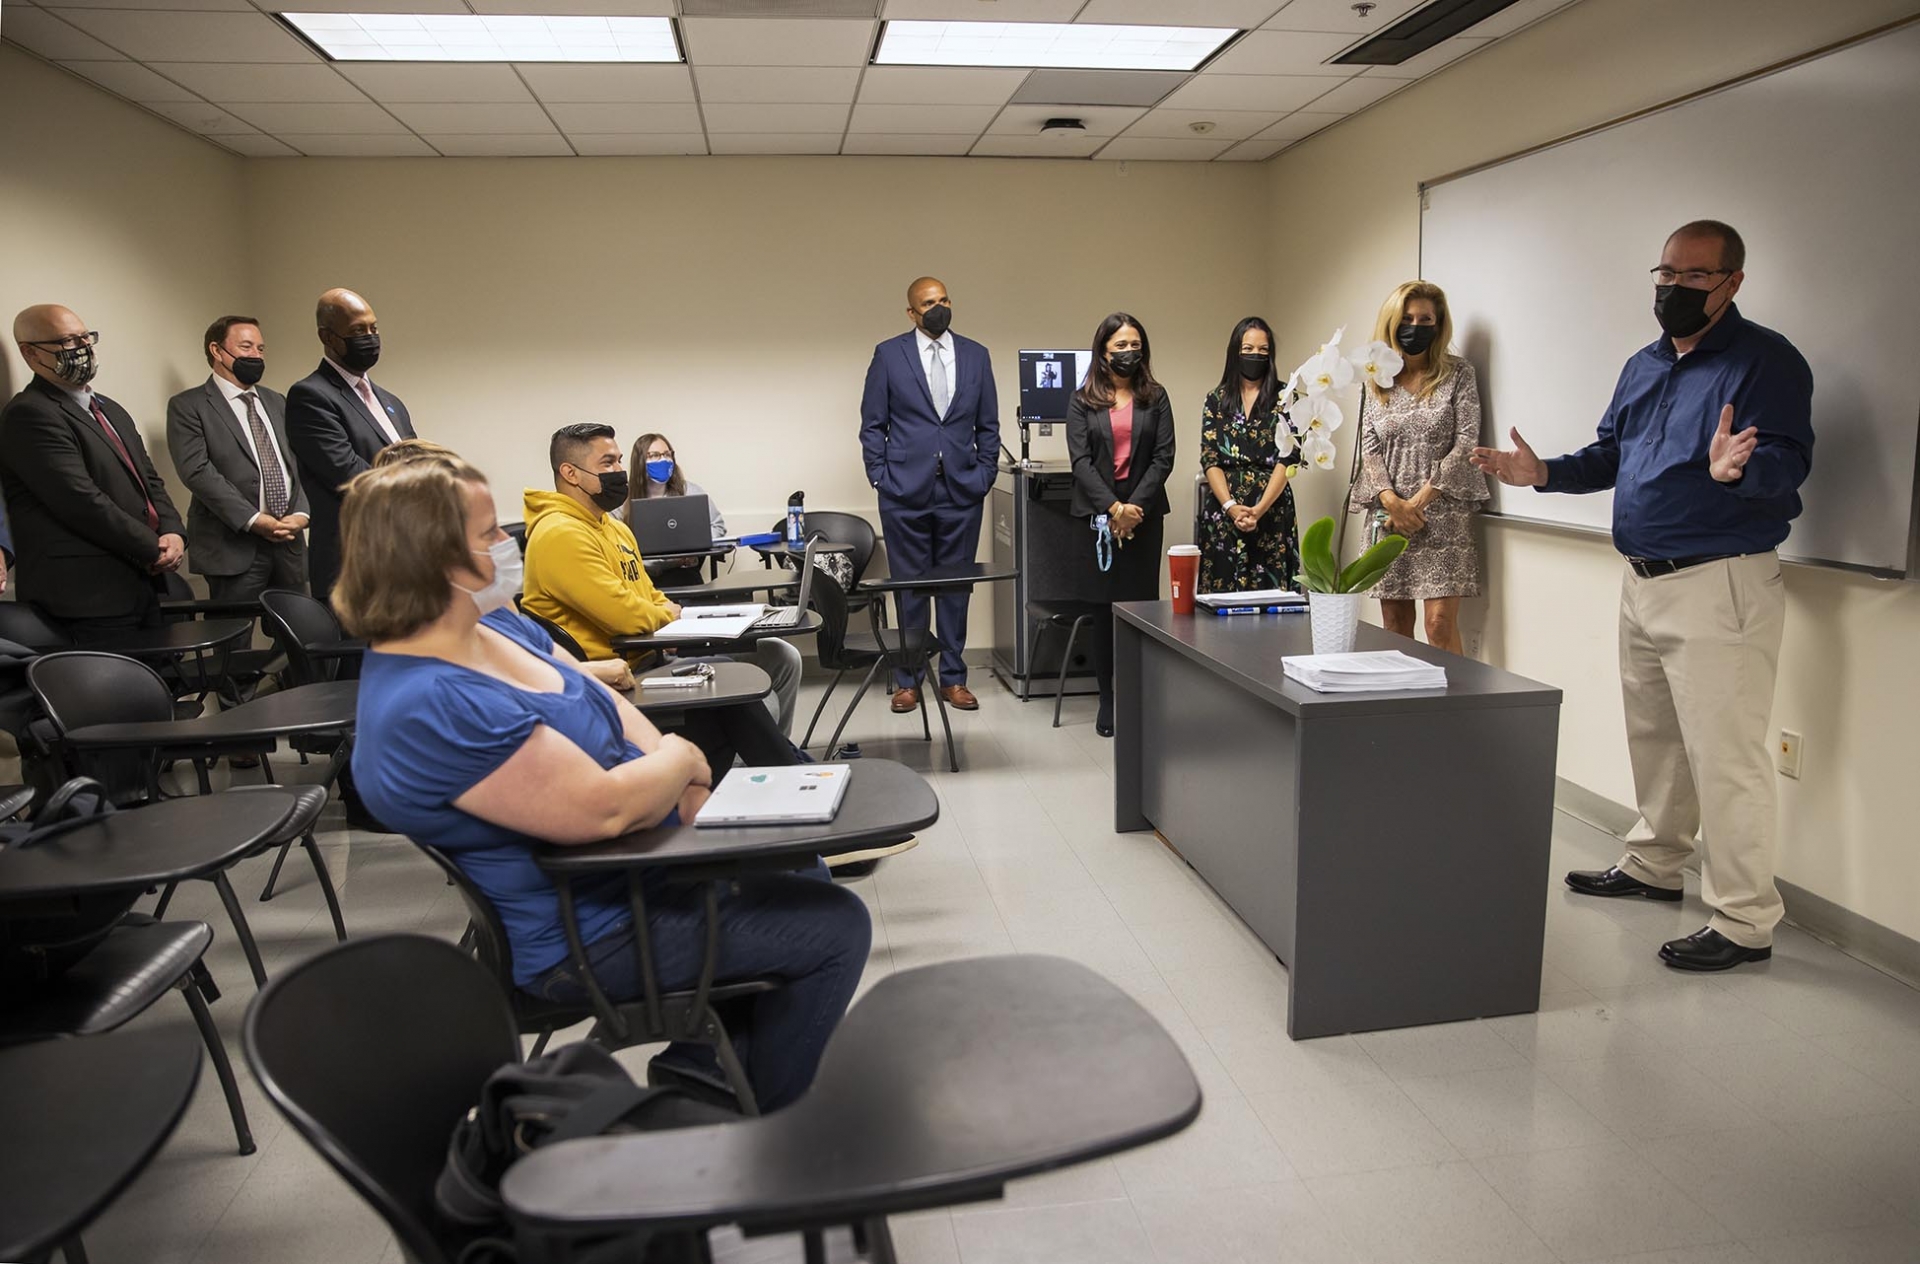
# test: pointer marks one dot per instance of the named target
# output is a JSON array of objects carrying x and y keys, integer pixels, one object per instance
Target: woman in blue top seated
[{"x": 478, "y": 738}]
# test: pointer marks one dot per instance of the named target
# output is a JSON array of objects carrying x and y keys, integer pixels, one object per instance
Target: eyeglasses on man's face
[
  {"x": 1692, "y": 278},
  {"x": 72, "y": 342}
]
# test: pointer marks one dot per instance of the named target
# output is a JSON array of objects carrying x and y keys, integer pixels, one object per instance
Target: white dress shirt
[
  {"x": 354, "y": 382},
  {"x": 944, "y": 348},
  {"x": 232, "y": 391}
]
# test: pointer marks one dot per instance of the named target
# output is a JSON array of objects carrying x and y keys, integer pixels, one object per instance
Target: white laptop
[{"x": 803, "y": 794}]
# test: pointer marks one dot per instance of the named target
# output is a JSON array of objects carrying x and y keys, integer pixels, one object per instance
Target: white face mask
[{"x": 508, "y": 571}]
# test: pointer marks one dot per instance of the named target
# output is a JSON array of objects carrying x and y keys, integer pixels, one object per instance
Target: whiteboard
[{"x": 1544, "y": 257}]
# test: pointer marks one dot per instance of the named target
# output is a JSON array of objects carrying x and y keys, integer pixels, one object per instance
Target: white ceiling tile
[
  {"x": 1159, "y": 149},
  {"x": 39, "y": 31},
  {"x": 1424, "y": 64},
  {"x": 797, "y": 85},
  {"x": 366, "y": 6},
  {"x": 657, "y": 143},
  {"x": 938, "y": 85},
  {"x": 153, "y": 36},
  {"x": 551, "y": 145},
  {"x": 319, "y": 120},
  {"x": 1512, "y": 18},
  {"x": 591, "y": 84},
  {"x": 777, "y": 41},
  {"x": 242, "y": 82},
  {"x": 1071, "y": 145},
  {"x": 1101, "y": 120},
  {"x": 777, "y": 143},
  {"x": 398, "y": 145},
  {"x": 1276, "y": 94},
  {"x": 1254, "y": 150},
  {"x": 1357, "y": 94},
  {"x": 209, "y": 120},
  {"x": 1338, "y": 15},
  {"x": 433, "y": 81},
  {"x": 924, "y": 120},
  {"x": 129, "y": 79},
  {"x": 774, "y": 119},
  {"x": 257, "y": 146},
  {"x": 579, "y": 8},
  {"x": 880, "y": 143},
  {"x": 982, "y": 10},
  {"x": 471, "y": 120},
  {"x": 1178, "y": 124},
  {"x": 1241, "y": 14},
  {"x": 228, "y": 6},
  {"x": 625, "y": 119},
  {"x": 1285, "y": 53},
  {"x": 1303, "y": 123}
]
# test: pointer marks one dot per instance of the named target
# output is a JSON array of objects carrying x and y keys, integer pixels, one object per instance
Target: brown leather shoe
[
  {"x": 959, "y": 697},
  {"x": 905, "y": 700}
]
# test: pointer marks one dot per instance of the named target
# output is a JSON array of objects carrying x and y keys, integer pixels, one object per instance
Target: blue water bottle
[{"x": 797, "y": 519}]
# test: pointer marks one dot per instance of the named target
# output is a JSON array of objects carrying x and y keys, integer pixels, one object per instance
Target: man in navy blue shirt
[{"x": 1705, "y": 445}]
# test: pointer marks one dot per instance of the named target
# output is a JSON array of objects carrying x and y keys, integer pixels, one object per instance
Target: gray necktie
[
  {"x": 273, "y": 479},
  {"x": 937, "y": 377}
]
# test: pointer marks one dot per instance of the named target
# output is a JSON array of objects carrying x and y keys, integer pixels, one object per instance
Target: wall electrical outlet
[
  {"x": 1046, "y": 430},
  {"x": 1787, "y": 754}
]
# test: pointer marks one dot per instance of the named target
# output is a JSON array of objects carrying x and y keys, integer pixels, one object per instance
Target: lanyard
[{"x": 1103, "y": 542}]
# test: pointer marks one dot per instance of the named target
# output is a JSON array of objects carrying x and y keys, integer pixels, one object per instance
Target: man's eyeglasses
[
  {"x": 1693, "y": 278},
  {"x": 72, "y": 342}
]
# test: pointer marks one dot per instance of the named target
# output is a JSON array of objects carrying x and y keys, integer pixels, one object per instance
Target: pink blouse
[{"x": 1122, "y": 419}]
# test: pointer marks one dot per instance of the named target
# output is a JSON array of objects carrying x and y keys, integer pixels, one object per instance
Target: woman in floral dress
[{"x": 1248, "y": 537}]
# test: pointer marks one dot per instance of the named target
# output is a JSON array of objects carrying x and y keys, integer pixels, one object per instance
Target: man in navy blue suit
[{"x": 930, "y": 436}]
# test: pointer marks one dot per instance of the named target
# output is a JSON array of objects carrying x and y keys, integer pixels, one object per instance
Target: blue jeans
[{"x": 800, "y": 929}]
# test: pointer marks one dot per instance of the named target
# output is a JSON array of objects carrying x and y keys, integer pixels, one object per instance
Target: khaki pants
[{"x": 1698, "y": 653}]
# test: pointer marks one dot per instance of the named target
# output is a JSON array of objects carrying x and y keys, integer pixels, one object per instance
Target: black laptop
[{"x": 665, "y": 525}]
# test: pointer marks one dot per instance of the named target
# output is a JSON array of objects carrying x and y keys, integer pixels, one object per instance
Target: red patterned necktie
[{"x": 126, "y": 457}]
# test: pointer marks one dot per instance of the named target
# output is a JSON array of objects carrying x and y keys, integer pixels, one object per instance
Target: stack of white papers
[
  {"x": 711, "y": 623},
  {"x": 1254, "y": 597},
  {"x": 1367, "y": 672}
]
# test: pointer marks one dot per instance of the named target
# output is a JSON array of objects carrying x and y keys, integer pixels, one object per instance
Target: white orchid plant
[{"x": 1310, "y": 413}]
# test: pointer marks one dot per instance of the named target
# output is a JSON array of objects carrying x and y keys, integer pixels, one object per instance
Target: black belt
[{"x": 1654, "y": 567}]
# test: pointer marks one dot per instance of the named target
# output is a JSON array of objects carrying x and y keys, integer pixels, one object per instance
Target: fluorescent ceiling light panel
[
  {"x": 1055, "y": 45},
  {"x": 486, "y": 37}
]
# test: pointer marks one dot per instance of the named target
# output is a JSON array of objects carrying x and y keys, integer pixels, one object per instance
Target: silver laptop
[
  {"x": 803, "y": 794},
  {"x": 790, "y": 616},
  {"x": 664, "y": 525}
]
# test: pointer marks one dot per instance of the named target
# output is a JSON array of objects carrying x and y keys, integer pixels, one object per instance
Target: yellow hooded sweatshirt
[{"x": 584, "y": 573}]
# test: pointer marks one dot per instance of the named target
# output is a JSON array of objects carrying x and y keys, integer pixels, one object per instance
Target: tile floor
[{"x": 1771, "y": 1116}]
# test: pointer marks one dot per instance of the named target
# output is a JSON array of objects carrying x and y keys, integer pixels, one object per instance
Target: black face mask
[
  {"x": 936, "y": 319},
  {"x": 1682, "y": 312},
  {"x": 1415, "y": 339},
  {"x": 248, "y": 370},
  {"x": 362, "y": 352},
  {"x": 613, "y": 491},
  {"x": 1123, "y": 364},
  {"x": 1254, "y": 367}
]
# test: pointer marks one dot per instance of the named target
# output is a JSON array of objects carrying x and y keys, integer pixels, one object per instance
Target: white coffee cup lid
[{"x": 1184, "y": 550}]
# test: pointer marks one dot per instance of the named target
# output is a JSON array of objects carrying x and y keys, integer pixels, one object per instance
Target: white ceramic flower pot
[{"x": 1335, "y": 618}]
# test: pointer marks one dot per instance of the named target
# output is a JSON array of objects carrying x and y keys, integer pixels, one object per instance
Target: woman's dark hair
[
  {"x": 1230, "y": 378},
  {"x": 676, "y": 481},
  {"x": 1098, "y": 391}
]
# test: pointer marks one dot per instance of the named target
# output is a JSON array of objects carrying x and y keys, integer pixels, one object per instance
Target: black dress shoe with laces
[
  {"x": 1708, "y": 949},
  {"x": 1613, "y": 884}
]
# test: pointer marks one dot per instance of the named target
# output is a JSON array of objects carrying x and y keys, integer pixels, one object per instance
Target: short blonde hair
[
  {"x": 1442, "y": 360},
  {"x": 403, "y": 526},
  {"x": 409, "y": 450}
]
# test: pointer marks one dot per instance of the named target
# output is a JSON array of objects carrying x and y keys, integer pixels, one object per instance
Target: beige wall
[
  {"x": 1848, "y": 668},
  {"x": 129, "y": 221}
]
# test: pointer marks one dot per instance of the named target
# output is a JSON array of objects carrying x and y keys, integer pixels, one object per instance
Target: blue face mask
[{"x": 660, "y": 471}]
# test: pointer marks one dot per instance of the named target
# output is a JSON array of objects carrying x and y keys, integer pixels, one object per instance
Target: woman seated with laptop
[
  {"x": 653, "y": 454},
  {"x": 475, "y": 738}
]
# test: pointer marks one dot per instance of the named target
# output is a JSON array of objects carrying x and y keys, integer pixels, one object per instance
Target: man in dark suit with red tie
[
  {"x": 90, "y": 514},
  {"x": 338, "y": 421},
  {"x": 930, "y": 437}
]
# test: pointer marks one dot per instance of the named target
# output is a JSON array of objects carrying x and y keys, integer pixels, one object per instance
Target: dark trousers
[
  {"x": 745, "y": 730},
  {"x": 945, "y": 533},
  {"x": 92, "y": 630},
  {"x": 273, "y": 566}
]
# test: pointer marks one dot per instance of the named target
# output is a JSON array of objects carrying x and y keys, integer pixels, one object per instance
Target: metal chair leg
[
  {"x": 814, "y": 1244},
  {"x": 833, "y": 743},
  {"x": 1039, "y": 640},
  {"x": 822, "y": 708},
  {"x": 73, "y": 1251},
  {"x": 166, "y": 898},
  {"x": 933, "y": 687},
  {"x": 953, "y": 756},
  {"x": 241, "y": 930},
  {"x": 273, "y": 875},
  {"x": 467, "y": 937},
  {"x": 875, "y": 1239},
  {"x": 729, "y": 1059},
  {"x": 540, "y": 1042},
  {"x": 1066, "y": 661},
  {"x": 326, "y": 885},
  {"x": 217, "y": 1051}
]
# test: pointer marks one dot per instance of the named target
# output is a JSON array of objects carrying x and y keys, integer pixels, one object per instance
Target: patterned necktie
[
  {"x": 126, "y": 458},
  {"x": 938, "y": 376},
  {"x": 273, "y": 479}
]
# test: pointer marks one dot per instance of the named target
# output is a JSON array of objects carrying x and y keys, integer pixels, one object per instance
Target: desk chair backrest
[
  {"x": 298, "y": 623},
  {"x": 829, "y": 601},
  {"x": 24, "y": 624},
  {"x": 841, "y": 528},
  {"x": 489, "y": 932},
  {"x": 561, "y": 637},
  {"x": 77, "y": 688},
  {"x": 518, "y": 530},
  {"x": 373, "y": 1051}
]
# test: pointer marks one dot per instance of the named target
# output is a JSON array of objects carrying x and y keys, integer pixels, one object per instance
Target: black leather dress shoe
[
  {"x": 1708, "y": 949},
  {"x": 1613, "y": 883}
]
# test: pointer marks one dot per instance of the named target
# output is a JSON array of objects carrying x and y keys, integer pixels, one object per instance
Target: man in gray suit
[{"x": 229, "y": 442}]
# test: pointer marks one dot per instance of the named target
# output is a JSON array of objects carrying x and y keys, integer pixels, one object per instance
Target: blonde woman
[{"x": 1416, "y": 474}]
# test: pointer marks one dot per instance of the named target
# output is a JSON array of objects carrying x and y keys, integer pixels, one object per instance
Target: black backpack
[
  {"x": 41, "y": 939},
  {"x": 580, "y": 1091}
]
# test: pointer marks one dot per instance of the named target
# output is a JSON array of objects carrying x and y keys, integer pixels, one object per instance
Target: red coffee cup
[{"x": 1183, "y": 567}]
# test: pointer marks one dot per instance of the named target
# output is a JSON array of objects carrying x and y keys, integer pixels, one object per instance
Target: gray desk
[
  {"x": 1409, "y": 894},
  {"x": 731, "y": 685}
]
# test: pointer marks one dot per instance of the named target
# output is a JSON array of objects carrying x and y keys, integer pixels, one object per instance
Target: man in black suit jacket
[
  {"x": 229, "y": 442},
  {"x": 89, "y": 511},
  {"x": 338, "y": 421}
]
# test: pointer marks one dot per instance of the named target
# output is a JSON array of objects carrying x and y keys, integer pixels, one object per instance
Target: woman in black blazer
[{"x": 1120, "y": 436}]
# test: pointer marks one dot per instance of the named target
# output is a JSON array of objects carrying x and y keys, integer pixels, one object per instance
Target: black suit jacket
[
  {"x": 79, "y": 515},
  {"x": 214, "y": 454},
  {"x": 334, "y": 438},
  {"x": 1090, "y": 445}
]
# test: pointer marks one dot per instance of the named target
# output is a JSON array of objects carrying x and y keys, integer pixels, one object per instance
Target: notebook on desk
[{"x": 804, "y": 794}]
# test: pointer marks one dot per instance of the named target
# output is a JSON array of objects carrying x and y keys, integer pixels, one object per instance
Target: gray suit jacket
[{"x": 215, "y": 460}]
